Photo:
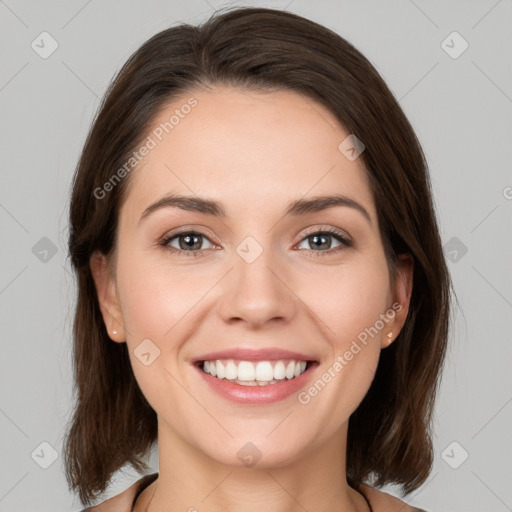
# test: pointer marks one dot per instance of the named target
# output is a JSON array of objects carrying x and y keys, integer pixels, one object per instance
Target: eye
[
  {"x": 188, "y": 242},
  {"x": 322, "y": 238}
]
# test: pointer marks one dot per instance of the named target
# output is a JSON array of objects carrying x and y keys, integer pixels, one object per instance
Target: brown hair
[{"x": 257, "y": 48}]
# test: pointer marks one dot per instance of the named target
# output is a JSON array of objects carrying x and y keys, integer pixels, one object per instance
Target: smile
[
  {"x": 253, "y": 391},
  {"x": 254, "y": 373}
]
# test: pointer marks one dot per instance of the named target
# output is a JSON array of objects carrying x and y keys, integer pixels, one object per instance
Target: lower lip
[{"x": 258, "y": 394}]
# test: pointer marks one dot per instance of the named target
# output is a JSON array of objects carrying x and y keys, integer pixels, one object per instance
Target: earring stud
[{"x": 114, "y": 332}]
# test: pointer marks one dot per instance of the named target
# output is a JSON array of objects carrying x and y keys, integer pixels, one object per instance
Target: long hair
[{"x": 389, "y": 437}]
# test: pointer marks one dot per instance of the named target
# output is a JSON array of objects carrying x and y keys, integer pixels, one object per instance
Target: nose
[{"x": 257, "y": 292}]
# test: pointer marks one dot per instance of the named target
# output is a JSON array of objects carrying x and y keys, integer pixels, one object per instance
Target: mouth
[
  {"x": 255, "y": 377},
  {"x": 255, "y": 373}
]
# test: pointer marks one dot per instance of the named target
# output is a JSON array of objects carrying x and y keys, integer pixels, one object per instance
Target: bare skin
[{"x": 255, "y": 152}]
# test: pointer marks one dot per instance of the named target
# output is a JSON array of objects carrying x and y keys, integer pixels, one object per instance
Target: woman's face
[{"x": 192, "y": 283}]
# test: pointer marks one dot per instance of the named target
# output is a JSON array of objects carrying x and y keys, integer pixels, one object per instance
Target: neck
[{"x": 190, "y": 480}]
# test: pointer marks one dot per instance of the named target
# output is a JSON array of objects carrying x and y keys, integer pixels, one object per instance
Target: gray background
[{"x": 461, "y": 110}]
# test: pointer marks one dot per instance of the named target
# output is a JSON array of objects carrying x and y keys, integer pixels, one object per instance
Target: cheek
[
  {"x": 156, "y": 296},
  {"x": 350, "y": 299},
  {"x": 160, "y": 303},
  {"x": 351, "y": 311},
  {"x": 350, "y": 303},
  {"x": 154, "y": 301}
]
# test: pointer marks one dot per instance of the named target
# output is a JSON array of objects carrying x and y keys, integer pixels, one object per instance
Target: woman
[{"x": 261, "y": 282}]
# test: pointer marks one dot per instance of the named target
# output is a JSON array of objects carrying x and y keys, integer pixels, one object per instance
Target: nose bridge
[{"x": 256, "y": 290}]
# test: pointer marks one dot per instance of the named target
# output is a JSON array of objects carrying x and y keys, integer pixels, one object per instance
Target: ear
[
  {"x": 401, "y": 293},
  {"x": 107, "y": 297}
]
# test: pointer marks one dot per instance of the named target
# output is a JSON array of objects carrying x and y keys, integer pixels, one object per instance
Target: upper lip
[{"x": 246, "y": 354}]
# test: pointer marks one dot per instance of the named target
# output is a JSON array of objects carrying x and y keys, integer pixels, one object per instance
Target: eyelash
[{"x": 340, "y": 236}]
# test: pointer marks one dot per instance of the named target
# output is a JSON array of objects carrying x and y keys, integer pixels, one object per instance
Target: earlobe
[{"x": 107, "y": 297}]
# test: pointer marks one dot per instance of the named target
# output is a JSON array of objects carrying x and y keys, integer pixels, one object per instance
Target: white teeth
[
  {"x": 221, "y": 370},
  {"x": 264, "y": 371},
  {"x": 300, "y": 368},
  {"x": 290, "y": 370},
  {"x": 231, "y": 371},
  {"x": 279, "y": 370},
  {"x": 247, "y": 373}
]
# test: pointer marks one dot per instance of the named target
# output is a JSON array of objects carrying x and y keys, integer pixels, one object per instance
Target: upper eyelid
[{"x": 328, "y": 229}]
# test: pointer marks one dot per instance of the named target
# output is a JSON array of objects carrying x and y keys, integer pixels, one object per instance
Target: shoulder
[
  {"x": 385, "y": 502},
  {"x": 123, "y": 502},
  {"x": 120, "y": 503}
]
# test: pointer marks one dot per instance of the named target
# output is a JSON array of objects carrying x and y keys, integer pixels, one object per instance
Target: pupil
[
  {"x": 316, "y": 238},
  {"x": 190, "y": 241}
]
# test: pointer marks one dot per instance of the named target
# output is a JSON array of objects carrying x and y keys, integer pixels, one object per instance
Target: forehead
[{"x": 245, "y": 148}]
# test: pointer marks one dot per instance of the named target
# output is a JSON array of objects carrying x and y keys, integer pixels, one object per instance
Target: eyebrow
[{"x": 214, "y": 208}]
